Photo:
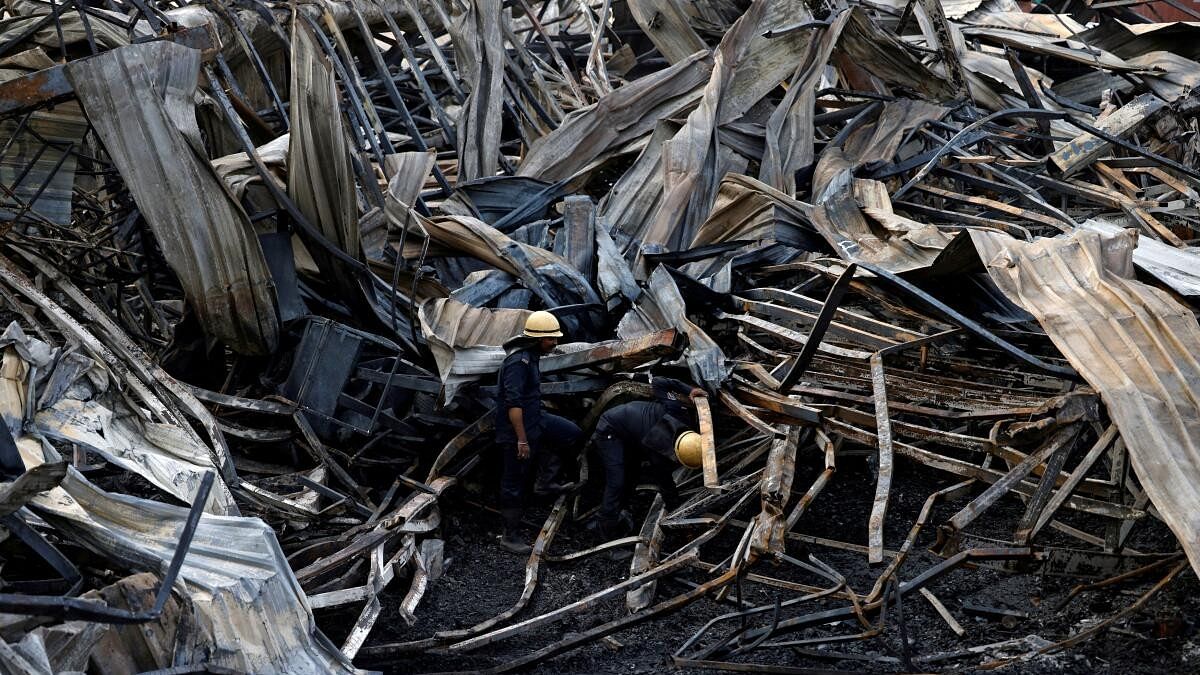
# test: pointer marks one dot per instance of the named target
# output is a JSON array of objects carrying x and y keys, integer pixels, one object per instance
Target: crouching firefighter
[
  {"x": 531, "y": 440},
  {"x": 661, "y": 432}
]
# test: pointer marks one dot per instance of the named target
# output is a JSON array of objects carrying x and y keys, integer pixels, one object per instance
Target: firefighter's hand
[
  {"x": 697, "y": 393},
  {"x": 522, "y": 450}
]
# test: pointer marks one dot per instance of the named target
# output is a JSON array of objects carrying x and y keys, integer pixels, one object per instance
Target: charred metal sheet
[
  {"x": 144, "y": 90},
  {"x": 51, "y": 85},
  {"x": 323, "y": 364}
]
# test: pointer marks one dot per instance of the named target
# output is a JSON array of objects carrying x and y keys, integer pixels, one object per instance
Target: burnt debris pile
[{"x": 931, "y": 261}]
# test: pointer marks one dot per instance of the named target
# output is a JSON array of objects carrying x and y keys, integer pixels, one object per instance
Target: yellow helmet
[
  {"x": 687, "y": 449},
  {"x": 542, "y": 325}
]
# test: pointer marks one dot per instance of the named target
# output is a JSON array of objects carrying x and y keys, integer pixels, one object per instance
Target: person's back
[{"x": 641, "y": 430}]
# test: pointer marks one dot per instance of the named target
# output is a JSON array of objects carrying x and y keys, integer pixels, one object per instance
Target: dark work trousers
[
  {"x": 620, "y": 454},
  {"x": 554, "y": 437}
]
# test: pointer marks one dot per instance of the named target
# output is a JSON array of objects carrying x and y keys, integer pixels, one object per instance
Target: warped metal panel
[
  {"x": 249, "y": 610},
  {"x": 1175, "y": 267},
  {"x": 1134, "y": 343},
  {"x": 320, "y": 176},
  {"x": 139, "y": 100}
]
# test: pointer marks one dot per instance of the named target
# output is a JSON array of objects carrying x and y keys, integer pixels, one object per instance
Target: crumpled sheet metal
[
  {"x": 467, "y": 342},
  {"x": 866, "y": 44},
  {"x": 319, "y": 174},
  {"x": 237, "y": 170},
  {"x": 548, "y": 275},
  {"x": 855, "y": 216},
  {"x": 662, "y": 307},
  {"x": 139, "y": 100},
  {"x": 479, "y": 45},
  {"x": 77, "y": 403},
  {"x": 789, "y": 142},
  {"x": 103, "y": 649},
  {"x": 1175, "y": 267},
  {"x": 1132, "y": 342},
  {"x": 879, "y": 139},
  {"x": 666, "y": 23},
  {"x": 746, "y": 209},
  {"x": 248, "y": 608},
  {"x": 625, "y": 114},
  {"x": 746, "y": 66}
]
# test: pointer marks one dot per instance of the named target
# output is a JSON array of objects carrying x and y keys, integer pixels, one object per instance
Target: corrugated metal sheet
[
  {"x": 1175, "y": 267},
  {"x": 1132, "y": 342},
  {"x": 249, "y": 611},
  {"x": 467, "y": 341},
  {"x": 843, "y": 204},
  {"x": 320, "y": 177},
  {"x": 139, "y": 101}
]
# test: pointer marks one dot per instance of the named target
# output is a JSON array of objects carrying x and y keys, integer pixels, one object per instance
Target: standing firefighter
[
  {"x": 659, "y": 431},
  {"x": 528, "y": 436}
]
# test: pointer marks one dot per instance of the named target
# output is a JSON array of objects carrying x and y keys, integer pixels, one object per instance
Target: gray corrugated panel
[
  {"x": 249, "y": 609},
  {"x": 139, "y": 100}
]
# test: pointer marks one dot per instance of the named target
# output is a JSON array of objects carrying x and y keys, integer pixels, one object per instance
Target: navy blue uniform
[
  {"x": 648, "y": 428},
  {"x": 549, "y": 435}
]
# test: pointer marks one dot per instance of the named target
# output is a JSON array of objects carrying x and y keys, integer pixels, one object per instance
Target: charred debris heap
[{"x": 259, "y": 259}]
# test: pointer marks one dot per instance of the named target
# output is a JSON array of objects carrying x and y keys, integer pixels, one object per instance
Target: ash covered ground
[{"x": 481, "y": 580}]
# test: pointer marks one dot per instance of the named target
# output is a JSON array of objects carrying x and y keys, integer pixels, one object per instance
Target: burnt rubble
[{"x": 260, "y": 260}]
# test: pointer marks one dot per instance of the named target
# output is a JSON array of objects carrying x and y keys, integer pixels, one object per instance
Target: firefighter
[
  {"x": 659, "y": 431},
  {"x": 531, "y": 439}
]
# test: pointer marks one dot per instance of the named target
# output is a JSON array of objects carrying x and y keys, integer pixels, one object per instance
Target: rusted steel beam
[
  {"x": 1042, "y": 498},
  {"x": 479, "y": 427},
  {"x": 775, "y": 489},
  {"x": 883, "y": 483},
  {"x": 743, "y": 412},
  {"x": 969, "y": 470},
  {"x": 35, "y": 90},
  {"x": 51, "y": 85},
  {"x": 1018, "y": 473},
  {"x": 910, "y": 289},
  {"x": 830, "y": 450},
  {"x": 782, "y": 405},
  {"x": 948, "y": 52},
  {"x": 835, "y": 328},
  {"x": 646, "y": 346},
  {"x": 846, "y": 317},
  {"x": 576, "y": 607},
  {"x": 645, "y": 556},
  {"x": 708, "y": 445},
  {"x": 606, "y": 546}
]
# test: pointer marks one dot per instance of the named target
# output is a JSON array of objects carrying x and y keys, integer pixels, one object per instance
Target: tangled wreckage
[{"x": 931, "y": 261}]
